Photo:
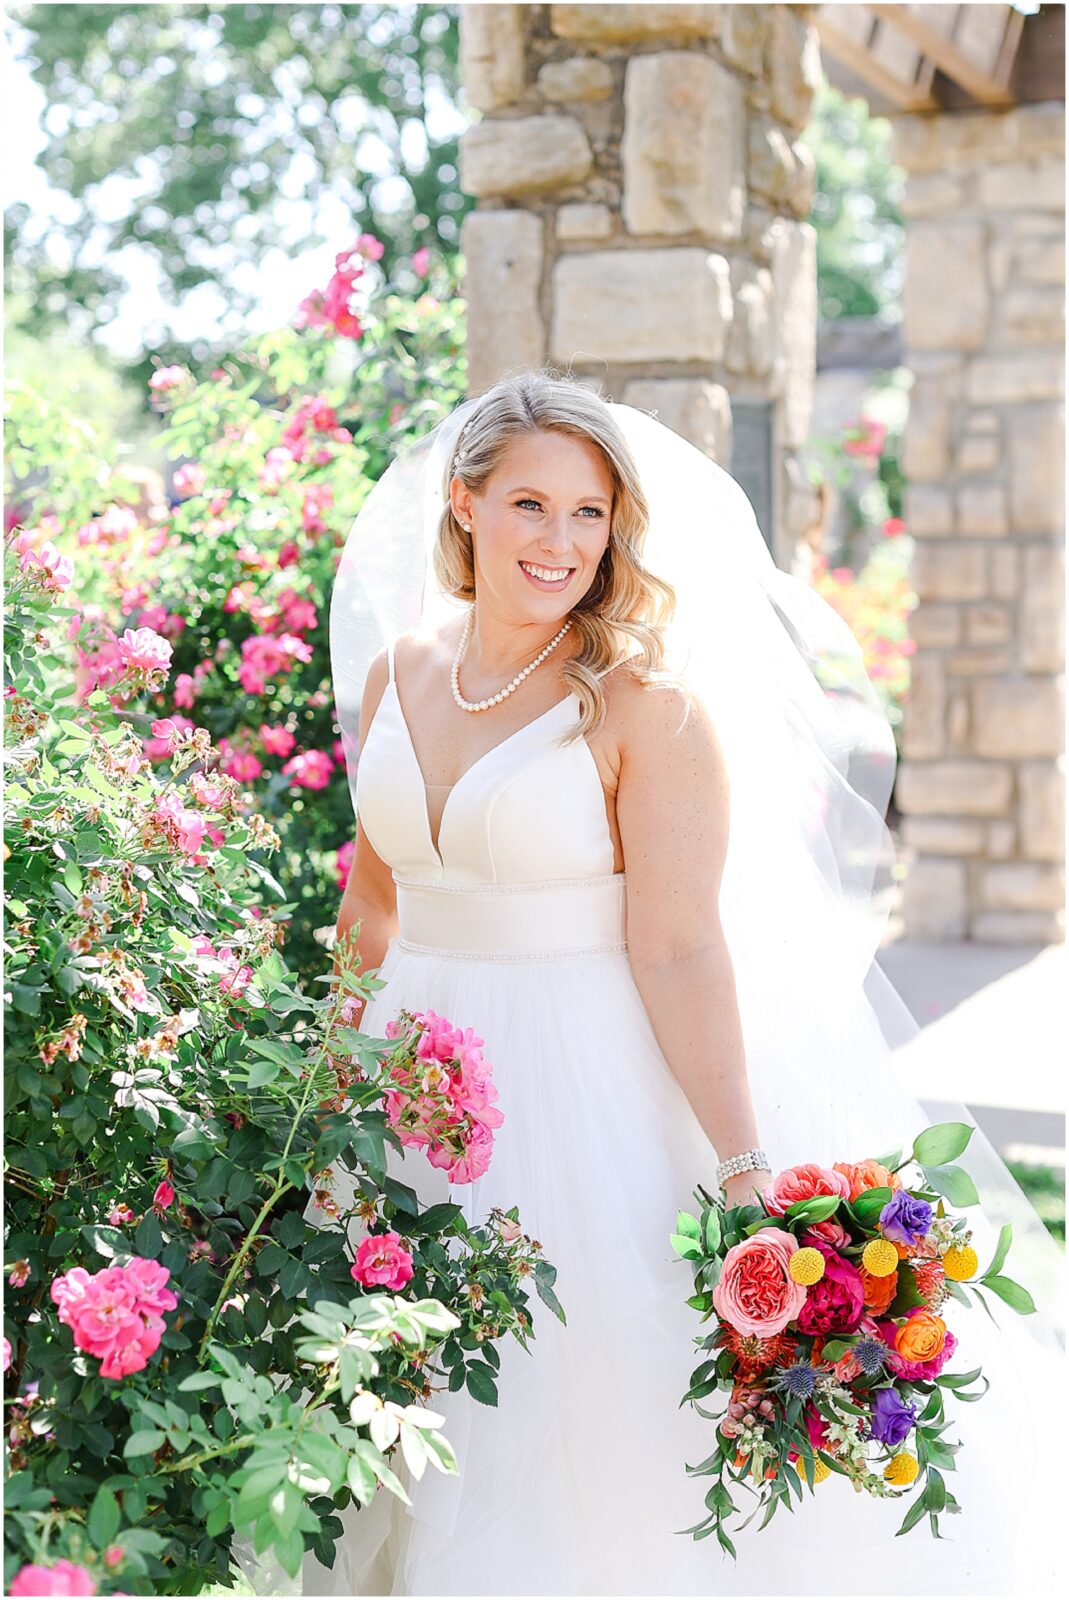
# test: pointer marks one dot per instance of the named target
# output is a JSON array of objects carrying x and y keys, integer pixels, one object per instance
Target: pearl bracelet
[{"x": 745, "y": 1161}]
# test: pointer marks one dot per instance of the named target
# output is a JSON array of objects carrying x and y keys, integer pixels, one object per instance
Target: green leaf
[
  {"x": 261, "y": 1073},
  {"x": 1001, "y": 1249},
  {"x": 954, "y": 1184},
  {"x": 103, "y": 1518},
  {"x": 683, "y": 1245},
  {"x": 687, "y": 1225},
  {"x": 940, "y": 1143},
  {"x": 144, "y": 1442},
  {"x": 480, "y": 1382},
  {"x": 1014, "y": 1294},
  {"x": 713, "y": 1231}
]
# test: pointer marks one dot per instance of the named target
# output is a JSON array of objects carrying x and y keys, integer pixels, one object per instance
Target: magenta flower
[
  {"x": 144, "y": 650},
  {"x": 189, "y": 479},
  {"x": 836, "y": 1302},
  {"x": 6, "y": 1351},
  {"x": 382, "y": 1262},
  {"x": 163, "y": 1199},
  {"x": 116, "y": 1314},
  {"x": 63, "y": 1578},
  {"x": 343, "y": 862},
  {"x": 277, "y": 741},
  {"x": 309, "y": 769},
  {"x": 165, "y": 378}
]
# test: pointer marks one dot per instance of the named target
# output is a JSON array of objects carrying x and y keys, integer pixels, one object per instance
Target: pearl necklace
[{"x": 481, "y": 705}]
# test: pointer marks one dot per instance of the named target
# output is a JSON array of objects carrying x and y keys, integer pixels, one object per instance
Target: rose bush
[{"x": 187, "y": 1358}]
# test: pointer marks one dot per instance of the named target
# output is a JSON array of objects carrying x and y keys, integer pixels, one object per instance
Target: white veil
[{"x": 811, "y": 764}]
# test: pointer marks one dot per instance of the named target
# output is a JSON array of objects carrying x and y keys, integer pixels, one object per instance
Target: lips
[{"x": 546, "y": 582}]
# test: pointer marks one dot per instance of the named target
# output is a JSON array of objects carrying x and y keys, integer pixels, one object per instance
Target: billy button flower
[
  {"x": 806, "y": 1266},
  {"x": 960, "y": 1262},
  {"x": 880, "y": 1257},
  {"x": 902, "y": 1468}
]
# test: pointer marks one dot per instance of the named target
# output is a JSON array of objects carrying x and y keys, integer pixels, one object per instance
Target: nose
[{"x": 557, "y": 538}]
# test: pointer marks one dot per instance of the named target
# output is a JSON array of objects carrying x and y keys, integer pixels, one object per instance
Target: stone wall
[
  {"x": 642, "y": 194},
  {"x": 982, "y": 782}
]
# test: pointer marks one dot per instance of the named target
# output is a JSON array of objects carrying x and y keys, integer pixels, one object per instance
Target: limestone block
[
  {"x": 926, "y": 455},
  {"x": 929, "y": 510},
  {"x": 523, "y": 155},
  {"x": 1033, "y": 314},
  {"x": 965, "y": 140},
  {"x": 932, "y": 625},
  {"x": 750, "y": 344},
  {"x": 1036, "y": 452},
  {"x": 1001, "y": 840},
  {"x": 1041, "y": 787},
  {"x": 980, "y": 660},
  {"x": 1012, "y": 379},
  {"x": 938, "y": 255},
  {"x": 1019, "y": 185},
  {"x": 1005, "y": 572},
  {"x": 577, "y": 78},
  {"x": 503, "y": 252},
  {"x": 977, "y": 455},
  {"x": 582, "y": 221},
  {"x": 956, "y": 787},
  {"x": 1021, "y": 886},
  {"x": 641, "y": 305},
  {"x": 683, "y": 152},
  {"x": 958, "y": 721},
  {"x": 983, "y": 511},
  {"x": 794, "y": 300},
  {"x": 1041, "y": 261},
  {"x": 988, "y": 623},
  {"x": 1042, "y": 640},
  {"x": 932, "y": 194},
  {"x": 492, "y": 55},
  {"x": 742, "y": 37},
  {"x": 924, "y": 710},
  {"x": 792, "y": 64},
  {"x": 934, "y": 895},
  {"x": 619, "y": 24},
  {"x": 944, "y": 836},
  {"x": 1018, "y": 927},
  {"x": 692, "y": 407},
  {"x": 780, "y": 170},
  {"x": 1019, "y": 717},
  {"x": 950, "y": 570}
]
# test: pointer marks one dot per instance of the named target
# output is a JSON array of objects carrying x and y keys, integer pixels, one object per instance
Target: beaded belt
[{"x": 512, "y": 921}]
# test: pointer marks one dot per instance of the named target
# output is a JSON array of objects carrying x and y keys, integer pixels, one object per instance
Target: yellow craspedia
[
  {"x": 806, "y": 1265},
  {"x": 880, "y": 1258},
  {"x": 902, "y": 1468},
  {"x": 960, "y": 1262}
]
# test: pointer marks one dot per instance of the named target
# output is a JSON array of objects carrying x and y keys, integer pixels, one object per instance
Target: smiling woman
[{"x": 657, "y": 903}]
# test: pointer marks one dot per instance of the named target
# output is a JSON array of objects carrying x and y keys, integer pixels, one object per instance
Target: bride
[{"x": 619, "y": 786}]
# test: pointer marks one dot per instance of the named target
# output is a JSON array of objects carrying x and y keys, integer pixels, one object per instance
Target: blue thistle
[
  {"x": 871, "y": 1355},
  {"x": 798, "y": 1380}
]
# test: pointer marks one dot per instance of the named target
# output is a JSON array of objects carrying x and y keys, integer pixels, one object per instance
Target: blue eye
[{"x": 598, "y": 512}]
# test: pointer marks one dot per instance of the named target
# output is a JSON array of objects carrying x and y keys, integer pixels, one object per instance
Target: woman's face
[{"x": 547, "y": 504}]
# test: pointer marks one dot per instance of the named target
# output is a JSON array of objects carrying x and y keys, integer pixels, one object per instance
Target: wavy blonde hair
[{"x": 625, "y": 600}]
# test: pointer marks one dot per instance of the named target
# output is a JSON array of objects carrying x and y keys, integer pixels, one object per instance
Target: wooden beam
[
  {"x": 855, "y": 53},
  {"x": 983, "y": 85}
]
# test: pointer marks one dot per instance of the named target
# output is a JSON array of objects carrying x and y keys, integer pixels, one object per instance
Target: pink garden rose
[
  {"x": 802, "y": 1183},
  {"x": 163, "y": 1198},
  {"x": 756, "y": 1293},
  {"x": 382, "y": 1262},
  {"x": 116, "y": 1313},
  {"x": 343, "y": 863},
  {"x": 309, "y": 769},
  {"x": 277, "y": 741},
  {"x": 144, "y": 650},
  {"x": 63, "y": 1578}
]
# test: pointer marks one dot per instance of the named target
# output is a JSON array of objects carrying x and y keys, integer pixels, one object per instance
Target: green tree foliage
[{"x": 215, "y": 120}]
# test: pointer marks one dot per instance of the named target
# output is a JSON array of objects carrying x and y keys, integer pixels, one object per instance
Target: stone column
[
  {"x": 642, "y": 195},
  {"x": 982, "y": 782}
]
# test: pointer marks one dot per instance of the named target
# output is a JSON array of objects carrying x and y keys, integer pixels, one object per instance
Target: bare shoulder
[
  {"x": 657, "y": 722},
  {"x": 378, "y": 675}
]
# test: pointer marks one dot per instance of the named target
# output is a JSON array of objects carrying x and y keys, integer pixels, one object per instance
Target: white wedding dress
[{"x": 512, "y": 921}]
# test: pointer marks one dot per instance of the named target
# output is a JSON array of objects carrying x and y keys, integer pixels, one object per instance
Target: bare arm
[
  {"x": 672, "y": 807},
  {"x": 370, "y": 897}
]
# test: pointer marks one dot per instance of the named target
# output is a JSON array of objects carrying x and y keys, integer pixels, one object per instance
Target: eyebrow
[{"x": 525, "y": 488}]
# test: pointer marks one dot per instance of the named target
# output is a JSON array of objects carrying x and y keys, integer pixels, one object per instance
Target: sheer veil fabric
[{"x": 804, "y": 899}]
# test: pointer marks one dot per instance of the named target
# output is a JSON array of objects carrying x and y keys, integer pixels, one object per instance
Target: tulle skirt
[{"x": 576, "y": 1482}]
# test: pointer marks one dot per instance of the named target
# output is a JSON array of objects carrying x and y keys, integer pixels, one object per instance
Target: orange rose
[
  {"x": 862, "y": 1175},
  {"x": 879, "y": 1292},
  {"x": 922, "y": 1337}
]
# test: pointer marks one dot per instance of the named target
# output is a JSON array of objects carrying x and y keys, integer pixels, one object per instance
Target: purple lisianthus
[
  {"x": 891, "y": 1418},
  {"x": 905, "y": 1218}
]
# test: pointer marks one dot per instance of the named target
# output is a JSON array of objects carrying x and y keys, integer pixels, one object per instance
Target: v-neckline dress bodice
[{"x": 523, "y": 862}]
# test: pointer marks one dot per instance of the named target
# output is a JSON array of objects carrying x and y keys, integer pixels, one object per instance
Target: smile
[{"x": 547, "y": 577}]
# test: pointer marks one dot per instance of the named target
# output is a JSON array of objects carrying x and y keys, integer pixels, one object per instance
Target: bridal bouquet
[{"x": 830, "y": 1340}]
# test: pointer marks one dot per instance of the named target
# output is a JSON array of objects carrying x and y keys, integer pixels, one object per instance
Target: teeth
[{"x": 543, "y": 572}]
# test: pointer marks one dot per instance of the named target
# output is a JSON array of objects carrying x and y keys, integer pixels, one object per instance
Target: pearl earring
[{"x": 466, "y": 526}]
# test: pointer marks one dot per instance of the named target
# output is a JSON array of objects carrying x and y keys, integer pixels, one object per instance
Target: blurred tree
[
  {"x": 226, "y": 131},
  {"x": 860, "y": 230}
]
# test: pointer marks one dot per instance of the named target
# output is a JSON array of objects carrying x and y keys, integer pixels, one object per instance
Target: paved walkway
[{"x": 994, "y": 1033}]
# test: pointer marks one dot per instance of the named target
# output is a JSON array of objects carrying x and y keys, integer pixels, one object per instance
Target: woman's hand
[{"x": 743, "y": 1188}]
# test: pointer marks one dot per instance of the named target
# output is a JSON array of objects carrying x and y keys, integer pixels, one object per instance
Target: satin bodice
[{"x": 524, "y": 857}]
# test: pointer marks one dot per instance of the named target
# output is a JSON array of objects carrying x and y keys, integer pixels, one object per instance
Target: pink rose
[
  {"x": 163, "y": 1198},
  {"x": 309, "y": 769},
  {"x": 62, "y": 1578},
  {"x": 802, "y": 1183},
  {"x": 382, "y": 1262},
  {"x": 144, "y": 649},
  {"x": 756, "y": 1293},
  {"x": 6, "y": 1352}
]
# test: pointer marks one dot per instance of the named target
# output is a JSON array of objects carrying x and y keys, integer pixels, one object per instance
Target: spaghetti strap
[{"x": 389, "y": 658}]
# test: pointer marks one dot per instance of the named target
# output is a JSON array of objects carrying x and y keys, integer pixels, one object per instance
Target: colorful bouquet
[{"x": 830, "y": 1339}]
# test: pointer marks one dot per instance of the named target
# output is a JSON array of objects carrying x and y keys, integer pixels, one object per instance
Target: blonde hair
[{"x": 625, "y": 600}]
